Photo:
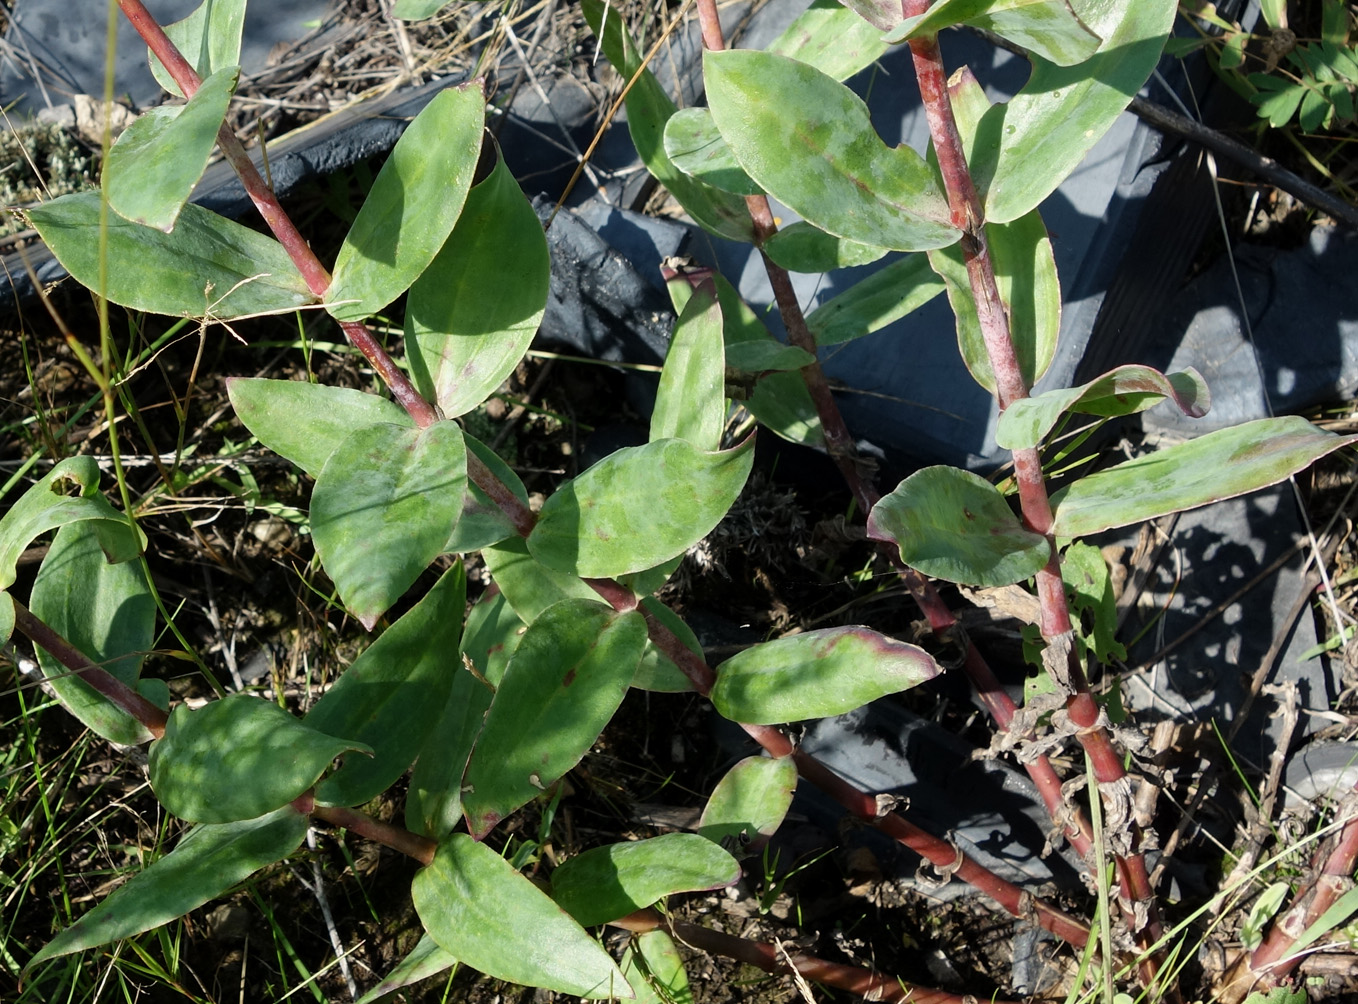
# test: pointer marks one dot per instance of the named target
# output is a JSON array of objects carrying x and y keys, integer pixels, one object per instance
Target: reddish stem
[
  {"x": 108, "y": 685},
  {"x": 410, "y": 844}
]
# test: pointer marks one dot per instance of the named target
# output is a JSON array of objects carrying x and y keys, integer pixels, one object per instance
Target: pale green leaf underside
[
  {"x": 695, "y": 147},
  {"x": 209, "y": 265},
  {"x": 831, "y": 38},
  {"x": 870, "y": 305},
  {"x": 690, "y": 403},
  {"x": 750, "y": 801},
  {"x": 154, "y": 165},
  {"x": 1122, "y": 391},
  {"x": 825, "y": 162},
  {"x": 954, "y": 525},
  {"x": 426, "y": 959},
  {"x": 652, "y": 964},
  {"x": 485, "y": 914},
  {"x": 801, "y": 247},
  {"x": 1219, "y": 465},
  {"x": 209, "y": 39},
  {"x": 1049, "y": 28},
  {"x": 816, "y": 674}
]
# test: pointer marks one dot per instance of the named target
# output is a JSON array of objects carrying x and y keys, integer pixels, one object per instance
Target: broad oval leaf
[
  {"x": 209, "y": 265},
  {"x": 426, "y": 959},
  {"x": 237, "y": 758},
  {"x": 652, "y": 964},
  {"x": 954, "y": 525},
  {"x": 107, "y": 612},
  {"x": 209, "y": 39},
  {"x": 1122, "y": 391},
  {"x": 816, "y": 674},
  {"x": 783, "y": 405},
  {"x": 564, "y": 681},
  {"x": 657, "y": 671},
  {"x": 1025, "y": 270},
  {"x": 638, "y": 507},
  {"x": 154, "y": 165},
  {"x": 207, "y": 862},
  {"x": 1219, "y": 465},
  {"x": 871, "y": 304},
  {"x": 825, "y": 162},
  {"x": 1029, "y": 145},
  {"x": 412, "y": 206},
  {"x": 694, "y": 145},
  {"x": 750, "y": 802},
  {"x": 802, "y": 247},
  {"x": 383, "y": 509},
  {"x": 485, "y": 914},
  {"x": 1049, "y": 28},
  {"x": 68, "y": 493},
  {"x": 648, "y": 109},
  {"x": 305, "y": 422},
  {"x": 690, "y": 403},
  {"x": 831, "y": 38},
  {"x": 392, "y": 695},
  {"x": 606, "y": 883},
  {"x": 472, "y": 313}
]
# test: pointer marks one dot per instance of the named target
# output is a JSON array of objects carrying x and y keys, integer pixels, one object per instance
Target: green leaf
[
  {"x": 694, "y": 146},
  {"x": 412, "y": 206},
  {"x": 482, "y": 522},
  {"x": 648, "y": 581},
  {"x": 206, "y": 863},
  {"x": 610, "y": 882},
  {"x": 493, "y": 633},
  {"x": 1029, "y": 145},
  {"x": 801, "y": 247},
  {"x": 529, "y": 586},
  {"x": 954, "y": 525},
  {"x": 1049, "y": 28},
  {"x": 6, "y": 617},
  {"x": 825, "y": 162},
  {"x": 648, "y": 109},
  {"x": 691, "y": 401},
  {"x": 417, "y": 10},
  {"x": 783, "y": 405},
  {"x": 426, "y": 959},
  {"x": 1275, "y": 13},
  {"x": 653, "y": 966},
  {"x": 484, "y": 913},
  {"x": 306, "y": 422},
  {"x": 1085, "y": 574},
  {"x": 68, "y": 493},
  {"x": 209, "y": 266},
  {"x": 1122, "y": 391},
  {"x": 831, "y": 38},
  {"x": 473, "y": 312},
  {"x": 638, "y": 507},
  {"x": 154, "y": 165},
  {"x": 1279, "y": 995},
  {"x": 237, "y": 758},
  {"x": 383, "y": 509},
  {"x": 656, "y": 671},
  {"x": 883, "y": 15},
  {"x": 392, "y": 696},
  {"x": 816, "y": 674},
  {"x": 209, "y": 39},
  {"x": 1025, "y": 270},
  {"x": 871, "y": 304},
  {"x": 1219, "y": 465},
  {"x": 434, "y": 800},
  {"x": 564, "y": 681},
  {"x": 750, "y": 801},
  {"x": 748, "y": 344},
  {"x": 1278, "y": 106},
  {"x": 107, "y": 612}
]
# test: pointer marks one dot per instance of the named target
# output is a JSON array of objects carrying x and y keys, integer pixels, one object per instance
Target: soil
[{"x": 230, "y": 555}]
